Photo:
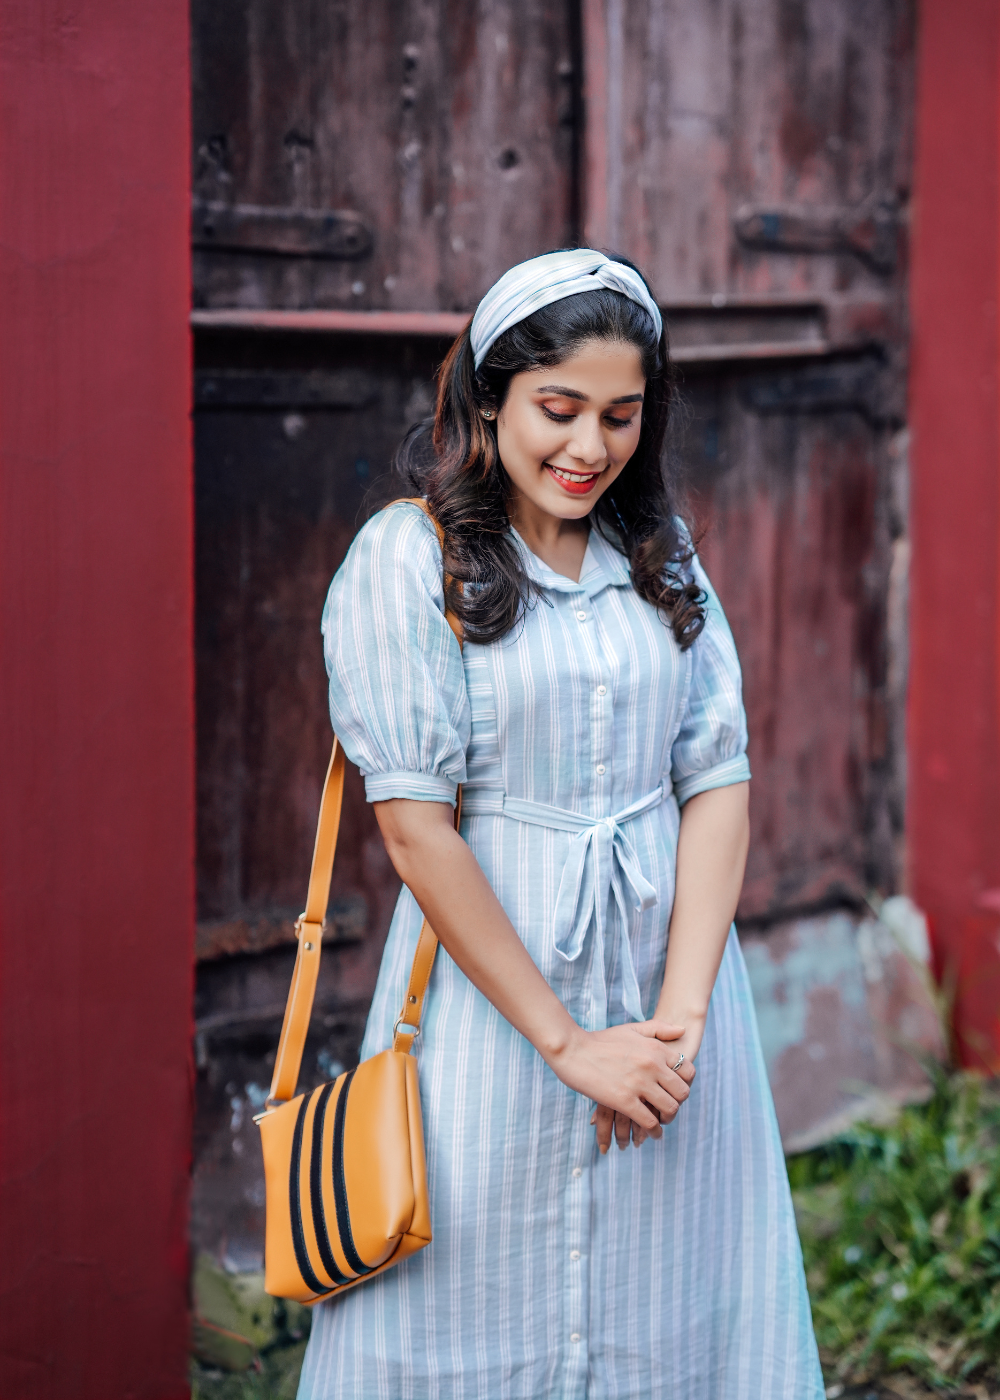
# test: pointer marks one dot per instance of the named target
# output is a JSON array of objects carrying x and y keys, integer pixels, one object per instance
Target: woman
[{"x": 595, "y": 724}]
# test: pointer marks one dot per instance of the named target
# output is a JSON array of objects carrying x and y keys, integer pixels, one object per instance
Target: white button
[
  {"x": 578, "y": 1171},
  {"x": 574, "y": 1254},
  {"x": 600, "y": 768},
  {"x": 574, "y": 1336},
  {"x": 581, "y": 616},
  {"x": 602, "y": 690}
]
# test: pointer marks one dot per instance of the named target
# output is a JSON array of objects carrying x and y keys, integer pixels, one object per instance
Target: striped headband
[{"x": 538, "y": 282}]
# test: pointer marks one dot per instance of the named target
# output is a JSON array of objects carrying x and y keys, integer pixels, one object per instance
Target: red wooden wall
[
  {"x": 96, "y": 713},
  {"x": 954, "y": 705}
]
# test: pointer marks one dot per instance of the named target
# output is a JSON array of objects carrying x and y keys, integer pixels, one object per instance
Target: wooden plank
[
  {"x": 797, "y": 542},
  {"x": 803, "y": 104},
  {"x": 280, "y": 494},
  {"x": 433, "y": 323},
  {"x": 749, "y": 350},
  {"x": 346, "y": 922},
  {"x": 446, "y": 126}
]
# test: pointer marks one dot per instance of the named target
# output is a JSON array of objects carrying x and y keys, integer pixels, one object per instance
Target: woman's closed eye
[{"x": 609, "y": 418}]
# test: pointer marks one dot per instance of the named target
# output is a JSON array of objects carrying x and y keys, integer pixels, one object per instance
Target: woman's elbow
[{"x": 409, "y": 828}]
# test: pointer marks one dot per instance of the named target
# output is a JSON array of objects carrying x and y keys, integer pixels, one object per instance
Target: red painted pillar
[
  {"x": 954, "y": 705},
  {"x": 96, "y": 713}
]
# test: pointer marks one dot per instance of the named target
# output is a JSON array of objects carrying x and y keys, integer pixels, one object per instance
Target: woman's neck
[{"x": 559, "y": 543}]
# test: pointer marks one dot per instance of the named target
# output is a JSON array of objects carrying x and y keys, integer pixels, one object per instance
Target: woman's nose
[{"x": 587, "y": 444}]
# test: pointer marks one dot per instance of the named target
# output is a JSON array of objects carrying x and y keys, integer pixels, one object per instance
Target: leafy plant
[
  {"x": 275, "y": 1377},
  {"x": 245, "y": 1344},
  {"x": 900, "y": 1231}
]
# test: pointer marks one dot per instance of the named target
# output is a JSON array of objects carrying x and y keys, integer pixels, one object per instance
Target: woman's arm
[
  {"x": 626, "y": 1067},
  {"x": 711, "y": 858}
]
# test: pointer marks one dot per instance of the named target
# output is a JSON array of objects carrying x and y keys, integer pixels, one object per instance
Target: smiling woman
[{"x": 583, "y": 905}]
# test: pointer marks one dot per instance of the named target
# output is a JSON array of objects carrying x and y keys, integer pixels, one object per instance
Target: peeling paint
[
  {"x": 790, "y": 963},
  {"x": 845, "y": 1016}
]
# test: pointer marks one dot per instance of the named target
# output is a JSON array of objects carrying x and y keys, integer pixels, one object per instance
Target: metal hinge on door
[
  {"x": 297, "y": 233},
  {"x": 869, "y": 230}
]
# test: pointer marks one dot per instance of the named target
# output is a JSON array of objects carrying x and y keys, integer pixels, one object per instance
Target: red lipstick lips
[{"x": 575, "y": 488}]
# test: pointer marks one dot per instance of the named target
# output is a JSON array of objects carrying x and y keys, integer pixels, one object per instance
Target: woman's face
[{"x": 565, "y": 433}]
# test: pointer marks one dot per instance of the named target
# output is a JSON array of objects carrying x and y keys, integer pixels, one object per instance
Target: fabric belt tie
[{"x": 601, "y": 861}]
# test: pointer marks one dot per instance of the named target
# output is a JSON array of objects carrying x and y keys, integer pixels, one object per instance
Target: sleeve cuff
[
  {"x": 734, "y": 770},
  {"x": 417, "y": 787}
]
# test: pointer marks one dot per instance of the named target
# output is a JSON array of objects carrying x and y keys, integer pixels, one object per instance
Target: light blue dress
[{"x": 671, "y": 1271}]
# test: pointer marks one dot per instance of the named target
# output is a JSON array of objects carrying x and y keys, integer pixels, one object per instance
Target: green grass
[
  {"x": 900, "y": 1230},
  {"x": 276, "y": 1379},
  {"x": 246, "y": 1345}
]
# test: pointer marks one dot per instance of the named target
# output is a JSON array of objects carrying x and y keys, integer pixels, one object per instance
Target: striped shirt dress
[{"x": 671, "y": 1271}]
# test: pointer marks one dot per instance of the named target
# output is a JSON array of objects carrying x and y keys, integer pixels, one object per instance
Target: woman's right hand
[{"x": 626, "y": 1068}]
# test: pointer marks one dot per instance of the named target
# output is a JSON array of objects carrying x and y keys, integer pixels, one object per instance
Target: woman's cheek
[
  {"x": 543, "y": 446},
  {"x": 628, "y": 450}
]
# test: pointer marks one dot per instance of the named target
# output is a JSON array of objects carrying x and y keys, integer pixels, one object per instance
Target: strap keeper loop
[{"x": 302, "y": 924}]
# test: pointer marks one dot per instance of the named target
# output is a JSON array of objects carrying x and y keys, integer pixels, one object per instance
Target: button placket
[
  {"x": 600, "y": 712},
  {"x": 576, "y": 1223}
]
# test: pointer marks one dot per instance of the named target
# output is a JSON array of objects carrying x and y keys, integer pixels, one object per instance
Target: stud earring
[{"x": 488, "y": 413}]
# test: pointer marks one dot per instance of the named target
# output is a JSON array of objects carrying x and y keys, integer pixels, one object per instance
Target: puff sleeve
[
  {"x": 398, "y": 699},
  {"x": 710, "y": 748}
]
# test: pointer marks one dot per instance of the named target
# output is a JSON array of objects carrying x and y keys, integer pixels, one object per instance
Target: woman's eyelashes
[{"x": 609, "y": 418}]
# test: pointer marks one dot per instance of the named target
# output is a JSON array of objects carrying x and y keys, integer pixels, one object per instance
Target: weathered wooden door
[{"x": 361, "y": 174}]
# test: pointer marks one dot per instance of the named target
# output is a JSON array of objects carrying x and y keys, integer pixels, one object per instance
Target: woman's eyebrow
[
  {"x": 575, "y": 394},
  {"x": 564, "y": 393}
]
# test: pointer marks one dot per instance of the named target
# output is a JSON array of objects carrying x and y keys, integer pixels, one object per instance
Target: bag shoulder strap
[{"x": 311, "y": 923}]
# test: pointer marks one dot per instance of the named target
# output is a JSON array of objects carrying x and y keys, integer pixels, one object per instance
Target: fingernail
[{"x": 603, "y": 1150}]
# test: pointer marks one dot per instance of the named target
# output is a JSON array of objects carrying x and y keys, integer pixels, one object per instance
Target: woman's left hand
[{"x": 607, "y": 1121}]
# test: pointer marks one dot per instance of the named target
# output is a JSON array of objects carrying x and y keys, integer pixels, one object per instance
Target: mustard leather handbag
[{"x": 344, "y": 1165}]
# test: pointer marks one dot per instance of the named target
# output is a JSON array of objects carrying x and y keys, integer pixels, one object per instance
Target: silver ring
[{"x": 679, "y": 1062}]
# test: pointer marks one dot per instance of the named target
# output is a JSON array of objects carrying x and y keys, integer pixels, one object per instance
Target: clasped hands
[{"x": 628, "y": 1072}]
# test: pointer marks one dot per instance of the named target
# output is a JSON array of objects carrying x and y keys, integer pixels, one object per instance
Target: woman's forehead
[{"x": 597, "y": 368}]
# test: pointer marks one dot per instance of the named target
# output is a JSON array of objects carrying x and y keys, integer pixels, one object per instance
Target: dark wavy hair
[{"x": 453, "y": 461}]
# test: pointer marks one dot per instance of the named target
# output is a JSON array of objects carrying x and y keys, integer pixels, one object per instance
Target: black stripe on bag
[
  {"x": 295, "y": 1205},
  {"x": 340, "y": 1185},
  {"x": 316, "y": 1190}
]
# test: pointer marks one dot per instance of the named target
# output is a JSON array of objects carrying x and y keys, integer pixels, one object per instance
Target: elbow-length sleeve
[
  {"x": 398, "y": 699},
  {"x": 710, "y": 748}
]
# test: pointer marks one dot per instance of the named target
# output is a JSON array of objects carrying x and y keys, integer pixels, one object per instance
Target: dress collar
[{"x": 603, "y": 567}]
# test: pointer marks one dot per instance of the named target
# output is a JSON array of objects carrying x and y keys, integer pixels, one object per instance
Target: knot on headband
[{"x": 538, "y": 282}]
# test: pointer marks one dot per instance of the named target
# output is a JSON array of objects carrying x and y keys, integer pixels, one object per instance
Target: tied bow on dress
[{"x": 601, "y": 862}]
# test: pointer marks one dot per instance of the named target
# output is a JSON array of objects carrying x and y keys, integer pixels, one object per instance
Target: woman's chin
[{"x": 568, "y": 507}]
